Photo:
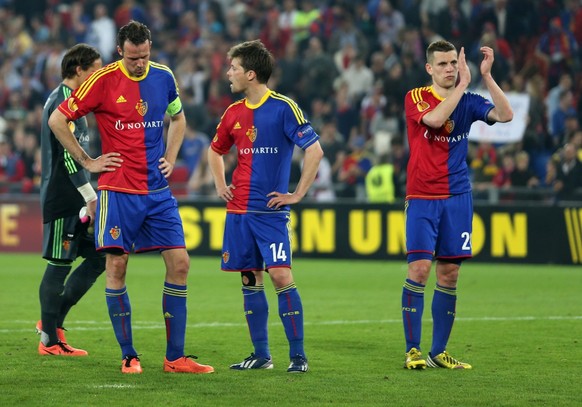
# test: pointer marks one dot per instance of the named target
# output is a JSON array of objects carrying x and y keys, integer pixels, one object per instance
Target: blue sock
[
  {"x": 120, "y": 315},
  {"x": 291, "y": 313},
  {"x": 175, "y": 312},
  {"x": 412, "y": 308},
  {"x": 443, "y": 316},
  {"x": 257, "y": 314}
]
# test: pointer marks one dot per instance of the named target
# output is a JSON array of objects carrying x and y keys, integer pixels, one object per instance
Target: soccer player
[
  {"x": 136, "y": 211},
  {"x": 65, "y": 189},
  {"x": 265, "y": 127},
  {"x": 439, "y": 205}
]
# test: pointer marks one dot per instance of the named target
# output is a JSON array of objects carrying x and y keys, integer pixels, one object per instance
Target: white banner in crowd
[{"x": 511, "y": 132}]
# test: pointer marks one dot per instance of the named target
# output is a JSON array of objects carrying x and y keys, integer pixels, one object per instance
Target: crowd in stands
[{"x": 347, "y": 63}]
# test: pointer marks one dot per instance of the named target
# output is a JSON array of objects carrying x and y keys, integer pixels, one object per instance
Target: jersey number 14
[{"x": 279, "y": 253}]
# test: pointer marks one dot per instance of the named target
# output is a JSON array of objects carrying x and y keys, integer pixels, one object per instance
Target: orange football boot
[{"x": 186, "y": 364}]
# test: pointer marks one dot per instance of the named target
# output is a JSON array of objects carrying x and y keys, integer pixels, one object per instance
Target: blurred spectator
[
  {"x": 504, "y": 63},
  {"x": 289, "y": 71},
  {"x": 484, "y": 168},
  {"x": 553, "y": 97},
  {"x": 389, "y": 54},
  {"x": 395, "y": 84},
  {"x": 551, "y": 177},
  {"x": 559, "y": 50},
  {"x": 571, "y": 126},
  {"x": 372, "y": 104},
  {"x": 344, "y": 57},
  {"x": 558, "y": 119},
  {"x": 503, "y": 177},
  {"x": 40, "y": 31},
  {"x": 536, "y": 136},
  {"x": 413, "y": 73},
  {"x": 322, "y": 189},
  {"x": 354, "y": 169},
  {"x": 80, "y": 20},
  {"x": 192, "y": 75},
  {"x": 348, "y": 33},
  {"x": 320, "y": 113},
  {"x": 12, "y": 169},
  {"x": 302, "y": 23},
  {"x": 193, "y": 148},
  {"x": 569, "y": 175},
  {"x": 287, "y": 15},
  {"x": 400, "y": 155},
  {"x": 332, "y": 143},
  {"x": 380, "y": 181},
  {"x": 378, "y": 67},
  {"x": 274, "y": 38},
  {"x": 128, "y": 10},
  {"x": 319, "y": 73},
  {"x": 102, "y": 33},
  {"x": 389, "y": 21},
  {"x": 346, "y": 113},
  {"x": 522, "y": 175},
  {"x": 451, "y": 23},
  {"x": 576, "y": 141},
  {"x": 384, "y": 126},
  {"x": 201, "y": 182}
]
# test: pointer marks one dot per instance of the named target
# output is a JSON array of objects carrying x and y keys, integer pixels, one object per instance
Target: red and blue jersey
[
  {"x": 265, "y": 135},
  {"x": 130, "y": 116},
  {"x": 437, "y": 167}
]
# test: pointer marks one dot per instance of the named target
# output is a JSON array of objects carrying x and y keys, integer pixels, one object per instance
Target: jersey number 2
[{"x": 467, "y": 242}]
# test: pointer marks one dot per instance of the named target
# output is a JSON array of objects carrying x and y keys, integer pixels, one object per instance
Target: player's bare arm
[
  {"x": 104, "y": 163},
  {"x": 502, "y": 111},
  {"x": 216, "y": 165},
  {"x": 313, "y": 155},
  {"x": 175, "y": 138}
]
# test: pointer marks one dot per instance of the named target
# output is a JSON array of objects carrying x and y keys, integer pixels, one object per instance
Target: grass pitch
[{"x": 520, "y": 326}]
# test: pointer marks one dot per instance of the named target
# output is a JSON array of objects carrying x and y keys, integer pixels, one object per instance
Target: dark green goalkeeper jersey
[{"x": 61, "y": 174}]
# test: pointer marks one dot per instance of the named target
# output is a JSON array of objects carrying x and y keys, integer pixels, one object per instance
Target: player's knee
[{"x": 248, "y": 279}]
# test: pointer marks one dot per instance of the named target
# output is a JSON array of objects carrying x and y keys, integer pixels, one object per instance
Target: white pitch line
[{"x": 139, "y": 325}]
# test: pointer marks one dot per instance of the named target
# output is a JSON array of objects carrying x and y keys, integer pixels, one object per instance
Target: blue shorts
[
  {"x": 439, "y": 227},
  {"x": 138, "y": 223},
  {"x": 255, "y": 242}
]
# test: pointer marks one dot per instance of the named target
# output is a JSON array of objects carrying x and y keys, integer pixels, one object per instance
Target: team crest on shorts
[
  {"x": 115, "y": 232},
  {"x": 66, "y": 245},
  {"x": 141, "y": 107},
  {"x": 252, "y": 134},
  {"x": 225, "y": 257}
]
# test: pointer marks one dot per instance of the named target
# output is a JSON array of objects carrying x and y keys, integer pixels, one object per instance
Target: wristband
[{"x": 87, "y": 192}]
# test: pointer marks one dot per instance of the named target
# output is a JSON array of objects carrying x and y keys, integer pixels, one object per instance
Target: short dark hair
[
  {"x": 438, "y": 46},
  {"x": 135, "y": 32},
  {"x": 82, "y": 55},
  {"x": 254, "y": 56}
]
